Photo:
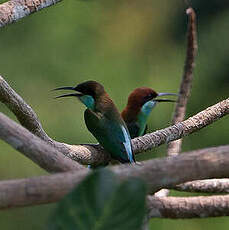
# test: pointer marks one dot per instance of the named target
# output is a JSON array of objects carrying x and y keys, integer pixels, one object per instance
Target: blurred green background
[{"x": 123, "y": 45}]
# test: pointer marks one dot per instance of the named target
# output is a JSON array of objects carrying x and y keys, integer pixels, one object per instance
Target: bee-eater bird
[
  {"x": 103, "y": 120},
  {"x": 139, "y": 106}
]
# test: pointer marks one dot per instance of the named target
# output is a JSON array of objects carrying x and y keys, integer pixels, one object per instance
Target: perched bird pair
[{"x": 112, "y": 130}]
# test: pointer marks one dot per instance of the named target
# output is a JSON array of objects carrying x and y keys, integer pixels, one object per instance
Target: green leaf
[{"x": 100, "y": 202}]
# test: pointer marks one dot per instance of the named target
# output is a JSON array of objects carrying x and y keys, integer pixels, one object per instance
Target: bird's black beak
[
  {"x": 166, "y": 100},
  {"x": 78, "y": 94}
]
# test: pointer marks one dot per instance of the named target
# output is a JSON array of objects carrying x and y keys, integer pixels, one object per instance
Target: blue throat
[
  {"x": 88, "y": 101},
  {"x": 144, "y": 114}
]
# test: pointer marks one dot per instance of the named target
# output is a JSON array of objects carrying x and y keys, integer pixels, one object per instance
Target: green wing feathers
[{"x": 110, "y": 135}]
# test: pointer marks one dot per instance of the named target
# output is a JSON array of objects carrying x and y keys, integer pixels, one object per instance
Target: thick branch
[
  {"x": 158, "y": 173},
  {"x": 93, "y": 154},
  {"x": 208, "y": 186},
  {"x": 14, "y": 10},
  {"x": 38, "y": 190},
  {"x": 34, "y": 148},
  {"x": 166, "y": 172},
  {"x": 186, "y": 84},
  {"x": 188, "y": 207}
]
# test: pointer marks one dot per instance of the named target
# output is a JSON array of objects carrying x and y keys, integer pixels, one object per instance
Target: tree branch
[
  {"x": 208, "y": 186},
  {"x": 188, "y": 207},
  {"x": 182, "y": 129},
  {"x": 84, "y": 154},
  {"x": 94, "y": 154},
  {"x": 174, "y": 147},
  {"x": 157, "y": 174},
  {"x": 34, "y": 148},
  {"x": 24, "y": 113},
  {"x": 14, "y": 10},
  {"x": 38, "y": 190},
  {"x": 186, "y": 84}
]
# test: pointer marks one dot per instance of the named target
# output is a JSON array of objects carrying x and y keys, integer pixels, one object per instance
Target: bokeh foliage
[{"x": 123, "y": 45}]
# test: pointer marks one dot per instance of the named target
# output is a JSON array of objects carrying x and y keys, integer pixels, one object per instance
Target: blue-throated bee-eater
[
  {"x": 103, "y": 120},
  {"x": 139, "y": 106}
]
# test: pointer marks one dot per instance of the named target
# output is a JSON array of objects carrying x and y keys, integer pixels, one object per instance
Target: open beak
[
  {"x": 69, "y": 94},
  {"x": 166, "y": 100},
  {"x": 167, "y": 94}
]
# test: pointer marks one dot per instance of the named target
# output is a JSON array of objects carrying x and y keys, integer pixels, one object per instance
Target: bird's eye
[{"x": 148, "y": 97}]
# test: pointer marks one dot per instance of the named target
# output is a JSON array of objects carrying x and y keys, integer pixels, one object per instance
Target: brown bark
[
  {"x": 186, "y": 83},
  {"x": 207, "y": 186},
  {"x": 14, "y": 10},
  {"x": 174, "y": 147},
  {"x": 34, "y": 148},
  {"x": 157, "y": 174},
  {"x": 188, "y": 207}
]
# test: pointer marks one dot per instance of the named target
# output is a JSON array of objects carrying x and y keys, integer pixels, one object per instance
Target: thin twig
[
  {"x": 174, "y": 147},
  {"x": 157, "y": 174},
  {"x": 185, "y": 87},
  {"x": 14, "y": 10}
]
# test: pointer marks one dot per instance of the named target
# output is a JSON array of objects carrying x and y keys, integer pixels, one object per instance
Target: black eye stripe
[{"x": 148, "y": 97}]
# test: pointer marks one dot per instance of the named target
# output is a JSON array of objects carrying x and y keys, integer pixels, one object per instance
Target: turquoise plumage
[
  {"x": 139, "y": 106},
  {"x": 103, "y": 120}
]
